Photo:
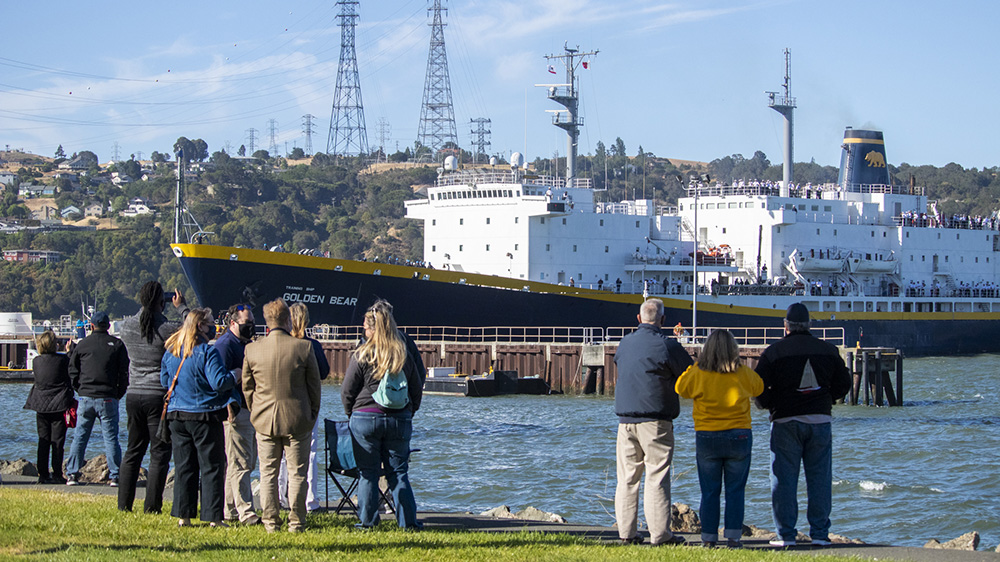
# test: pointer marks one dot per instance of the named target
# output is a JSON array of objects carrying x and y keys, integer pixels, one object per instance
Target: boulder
[
  {"x": 841, "y": 539},
  {"x": 968, "y": 541},
  {"x": 20, "y": 467},
  {"x": 683, "y": 519},
  {"x": 527, "y": 514},
  {"x": 534, "y": 514},
  {"x": 95, "y": 471},
  {"x": 755, "y": 532}
]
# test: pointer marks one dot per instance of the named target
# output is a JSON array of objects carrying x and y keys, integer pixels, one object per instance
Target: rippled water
[{"x": 930, "y": 469}]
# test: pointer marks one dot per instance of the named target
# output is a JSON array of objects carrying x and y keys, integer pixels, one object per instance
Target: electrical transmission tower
[
  {"x": 272, "y": 128},
  {"x": 251, "y": 140},
  {"x": 383, "y": 135},
  {"x": 480, "y": 141},
  {"x": 115, "y": 156},
  {"x": 307, "y": 129},
  {"x": 437, "y": 115},
  {"x": 347, "y": 121}
]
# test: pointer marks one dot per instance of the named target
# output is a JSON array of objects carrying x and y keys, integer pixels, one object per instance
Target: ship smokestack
[{"x": 862, "y": 160}]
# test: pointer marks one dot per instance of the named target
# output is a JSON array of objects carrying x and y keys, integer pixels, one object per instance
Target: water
[{"x": 930, "y": 469}]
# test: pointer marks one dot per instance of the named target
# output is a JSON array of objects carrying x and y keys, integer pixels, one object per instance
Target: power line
[
  {"x": 347, "y": 120},
  {"x": 437, "y": 114}
]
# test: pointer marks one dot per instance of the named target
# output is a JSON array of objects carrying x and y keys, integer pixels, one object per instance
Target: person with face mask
[
  {"x": 199, "y": 389},
  {"x": 241, "y": 445}
]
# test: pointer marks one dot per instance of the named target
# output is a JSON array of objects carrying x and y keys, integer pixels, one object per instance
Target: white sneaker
[
  {"x": 821, "y": 542},
  {"x": 782, "y": 543}
]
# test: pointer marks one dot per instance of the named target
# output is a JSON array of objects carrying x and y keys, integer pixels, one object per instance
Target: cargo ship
[{"x": 507, "y": 248}]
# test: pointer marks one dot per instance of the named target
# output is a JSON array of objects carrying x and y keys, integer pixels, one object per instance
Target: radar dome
[
  {"x": 493, "y": 160},
  {"x": 516, "y": 159},
  {"x": 451, "y": 163}
]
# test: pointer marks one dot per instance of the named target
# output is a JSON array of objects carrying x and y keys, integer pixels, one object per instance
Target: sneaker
[
  {"x": 113, "y": 482},
  {"x": 733, "y": 543},
  {"x": 782, "y": 542},
  {"x": 821, "y": 542},
  {"x": 72, "y": 480}
]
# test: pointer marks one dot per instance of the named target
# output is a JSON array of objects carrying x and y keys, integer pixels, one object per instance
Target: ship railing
[
  {"x": 472, "y": 335},
  {"x": 530, "y": 335},
  {"x": 760, "y": 336},
  {"x": 960, "y": 223}
]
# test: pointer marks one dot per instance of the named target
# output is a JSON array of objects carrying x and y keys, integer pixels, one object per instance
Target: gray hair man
[{"x": 646, "y": 403}]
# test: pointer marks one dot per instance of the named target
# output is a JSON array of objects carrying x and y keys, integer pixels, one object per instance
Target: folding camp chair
[{"x": 339, "y": 455}]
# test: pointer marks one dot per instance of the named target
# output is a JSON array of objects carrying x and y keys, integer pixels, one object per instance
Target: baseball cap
[
  {"x": 797, "y": 312},
  {"x": 100, "y": 318}
]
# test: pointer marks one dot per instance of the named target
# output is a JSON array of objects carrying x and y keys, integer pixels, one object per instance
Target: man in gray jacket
[
  {"x": 648, "y": 364},
  {"x": 143, "y": 335}
]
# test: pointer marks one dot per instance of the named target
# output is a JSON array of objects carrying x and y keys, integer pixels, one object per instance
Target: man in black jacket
[
  {"x": 98, "y": 369},
  {"x": 803, "y": 376},
  {"x": 648, "y": 364}
]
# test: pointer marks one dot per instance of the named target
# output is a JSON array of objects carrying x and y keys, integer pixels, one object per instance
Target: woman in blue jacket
[{"x": 201, "y": 391}]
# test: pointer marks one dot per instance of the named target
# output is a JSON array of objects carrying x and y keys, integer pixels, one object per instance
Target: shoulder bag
[{"x": 163, "y": 429}]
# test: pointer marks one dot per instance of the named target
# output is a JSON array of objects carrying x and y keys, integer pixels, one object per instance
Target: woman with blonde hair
[
  {"x": 382, "y": 390},
  {"x": 50, "y": 397},
  {"x": 199, "y": 389},
  {"x": 721, "y": 387}
]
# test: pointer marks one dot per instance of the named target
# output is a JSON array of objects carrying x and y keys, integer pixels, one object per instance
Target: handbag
[
  {"x": 163, "y": 429},
  {"x": 70, "y": 414}
]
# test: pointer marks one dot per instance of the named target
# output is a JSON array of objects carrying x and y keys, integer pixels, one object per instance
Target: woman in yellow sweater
[{"x": 721, "y": 387}]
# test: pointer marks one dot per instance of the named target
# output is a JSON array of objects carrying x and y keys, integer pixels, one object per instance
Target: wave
[{"x": 870, "y": 486}]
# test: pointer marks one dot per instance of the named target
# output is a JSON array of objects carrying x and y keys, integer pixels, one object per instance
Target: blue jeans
[
  {"x": 384, "y": 440},
  {"x": 811, "y": 445},
  {"x": 723, "y": 455},
  {"x": 89, "y": 411}
]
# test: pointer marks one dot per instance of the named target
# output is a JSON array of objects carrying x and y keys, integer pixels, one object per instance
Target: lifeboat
[{"x": 804, "y": 263}]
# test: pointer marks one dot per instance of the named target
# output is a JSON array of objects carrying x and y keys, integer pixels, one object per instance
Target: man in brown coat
[{"x": 281, "y": 385}]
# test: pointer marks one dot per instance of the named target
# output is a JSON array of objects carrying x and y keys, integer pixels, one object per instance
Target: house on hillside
[
  {"x": 93, "y": 210},
  {"x": 32, "y": 255},
  {"x": 70, "y": 212},
  {"x": 7, "y": 178},
  {"x": 137, "y": 208},
  {"x": 120, "y": 179},
  {"x": 77, "y": 163},
  {"x": 45, "y": 212},
  {"x": 31, "y": 190}
]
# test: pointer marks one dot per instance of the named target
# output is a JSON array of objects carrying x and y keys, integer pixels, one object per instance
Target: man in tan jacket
[{"x": 281, "y": 384}]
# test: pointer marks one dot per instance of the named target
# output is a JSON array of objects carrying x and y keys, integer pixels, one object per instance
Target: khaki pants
[
  {"x": 295, "y": 449},
  {"x": 241, "y": 456},
  {"x": 649, "y": 447}
]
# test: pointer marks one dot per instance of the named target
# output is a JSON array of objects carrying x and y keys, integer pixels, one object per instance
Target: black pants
[
  {"x": 199, "y": 449},
  {"x": 143, "y": 416},
  {"x": 51, "y": 435}
]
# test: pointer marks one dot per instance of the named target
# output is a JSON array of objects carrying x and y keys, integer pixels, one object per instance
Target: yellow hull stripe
[{"x": 223, "y": 253}]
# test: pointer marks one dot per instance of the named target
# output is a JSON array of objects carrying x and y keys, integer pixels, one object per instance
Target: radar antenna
[
  {"x": 567, "y": 95},
  {"x": 785, "y": 104}
]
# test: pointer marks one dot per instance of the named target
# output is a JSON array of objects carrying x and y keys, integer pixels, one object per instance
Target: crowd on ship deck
[{"x": 960, "y": 221}]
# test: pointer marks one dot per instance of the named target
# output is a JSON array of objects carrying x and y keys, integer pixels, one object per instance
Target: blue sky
[{"x": 683, "y": 79}]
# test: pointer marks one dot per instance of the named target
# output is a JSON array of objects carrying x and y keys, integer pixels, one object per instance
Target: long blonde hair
[
  {"x": 385, "y": 350},
  {"x": 300, "y": 319},
  {"x": 185, "y": 339},
  {"x": 720, "y": 353}
]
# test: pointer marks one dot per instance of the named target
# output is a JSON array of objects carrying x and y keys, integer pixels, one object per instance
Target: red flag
[
  {"x": 586, "y": 65},
  {"x": 552, "y": 69}
]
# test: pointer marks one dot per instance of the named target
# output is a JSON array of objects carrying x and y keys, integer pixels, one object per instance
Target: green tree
[
  {"x": 297, "y": 153},
  {"x": 60, "y": 153}
]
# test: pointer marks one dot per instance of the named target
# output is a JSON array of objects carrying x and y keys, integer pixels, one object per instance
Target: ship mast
[
  {"x": 785, "y": 104},
  {"x": 568, "y": 96}
]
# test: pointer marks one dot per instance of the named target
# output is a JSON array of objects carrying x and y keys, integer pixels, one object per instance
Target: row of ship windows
[
  {"x": 548, "y": 248},
  {"x": 477, "y": 194},
  {"x": 461, "y": 221}
]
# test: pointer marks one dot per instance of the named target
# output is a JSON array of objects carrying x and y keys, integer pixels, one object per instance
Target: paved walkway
[{"x": 478, "y": 523}]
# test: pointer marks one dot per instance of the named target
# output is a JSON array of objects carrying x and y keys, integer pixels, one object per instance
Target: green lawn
[{"x": 45, "y": 525}]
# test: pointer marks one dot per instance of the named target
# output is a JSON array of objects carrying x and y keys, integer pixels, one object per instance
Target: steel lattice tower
[
  {"x": 272, "y": 127},
  {"x": 479, "y": 140},
  {"x": 347, "y": 121},
  {"x": 437, "y": 115},
  {"x": 307, "y": 129}
]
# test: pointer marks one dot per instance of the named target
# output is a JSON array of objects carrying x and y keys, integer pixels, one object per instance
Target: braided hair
[{"x": 150, "y": 294}]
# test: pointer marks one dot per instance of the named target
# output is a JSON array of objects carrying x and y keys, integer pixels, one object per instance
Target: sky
[{"x": 682, "y": 79}]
